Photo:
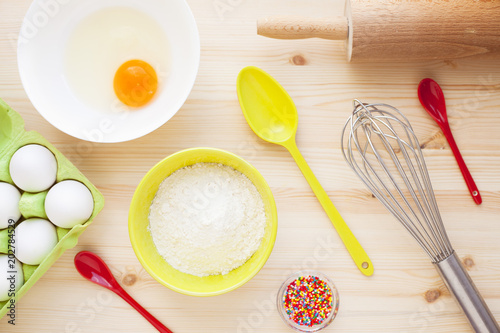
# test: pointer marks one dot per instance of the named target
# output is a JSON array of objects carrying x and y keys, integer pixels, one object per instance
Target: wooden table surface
[{"x": 404, "y": 295}]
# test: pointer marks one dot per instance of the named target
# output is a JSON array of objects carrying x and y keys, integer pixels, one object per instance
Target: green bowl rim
[{"x": 274, "y": 223}]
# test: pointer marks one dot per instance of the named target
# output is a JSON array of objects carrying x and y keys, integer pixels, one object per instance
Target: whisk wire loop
[
  {"x": 397, "y": 174},
  {"x": 383, "y": 190}
]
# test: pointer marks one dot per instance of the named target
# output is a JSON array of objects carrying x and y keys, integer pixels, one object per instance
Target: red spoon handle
[
  {"x": 149, "y": 317},
  {"x": 461, "y": 163}
]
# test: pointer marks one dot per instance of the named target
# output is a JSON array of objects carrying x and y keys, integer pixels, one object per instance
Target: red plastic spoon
[
  {"x": 94, "y": 269},
  {"x": 432, "y": 99}
]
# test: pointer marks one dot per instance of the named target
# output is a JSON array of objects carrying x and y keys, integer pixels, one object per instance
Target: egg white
[{"x": 101, "y": 43}]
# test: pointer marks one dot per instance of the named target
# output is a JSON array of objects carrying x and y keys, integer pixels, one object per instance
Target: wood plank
[{"x": 322, "y": 85}]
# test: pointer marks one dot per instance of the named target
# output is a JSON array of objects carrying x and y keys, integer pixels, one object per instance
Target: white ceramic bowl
[{"x": 41, "y": 51}]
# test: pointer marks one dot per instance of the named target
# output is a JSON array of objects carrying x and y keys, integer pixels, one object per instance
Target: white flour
[{"x": 207, "y": 219}]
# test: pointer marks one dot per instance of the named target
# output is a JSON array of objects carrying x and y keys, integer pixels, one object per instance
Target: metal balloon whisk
[{"x": 381, "y": 147}]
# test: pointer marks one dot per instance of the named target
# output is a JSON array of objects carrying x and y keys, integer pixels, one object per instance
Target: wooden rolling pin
[{"x": 401, "y": 30}]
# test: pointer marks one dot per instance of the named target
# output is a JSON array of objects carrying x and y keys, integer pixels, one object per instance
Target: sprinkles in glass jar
[{"x": 308, "y": 301}]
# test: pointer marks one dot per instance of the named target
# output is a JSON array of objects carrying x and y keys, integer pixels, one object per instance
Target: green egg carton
[{"x": 12, "y": 137}]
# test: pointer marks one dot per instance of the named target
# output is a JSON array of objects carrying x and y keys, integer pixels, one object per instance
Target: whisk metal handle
[
  {"x": 352, "y": 245},
  {"x": 468, "y": 297}
]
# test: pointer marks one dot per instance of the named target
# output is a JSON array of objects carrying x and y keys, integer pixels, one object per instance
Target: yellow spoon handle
[{"x": 357, "y": 253}]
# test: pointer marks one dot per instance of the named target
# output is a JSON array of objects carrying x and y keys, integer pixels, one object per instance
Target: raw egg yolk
[{"x": 135, "y": 83}]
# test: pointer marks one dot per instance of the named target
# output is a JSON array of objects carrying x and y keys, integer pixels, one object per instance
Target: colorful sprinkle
[{"x": 308, "y": 300}]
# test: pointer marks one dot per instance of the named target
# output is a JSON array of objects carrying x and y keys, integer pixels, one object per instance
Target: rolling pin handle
[{"x": 283, "y": 27}]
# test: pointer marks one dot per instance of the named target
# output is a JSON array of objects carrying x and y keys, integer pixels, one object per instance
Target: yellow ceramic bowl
[{"x": 142, "y": 242}]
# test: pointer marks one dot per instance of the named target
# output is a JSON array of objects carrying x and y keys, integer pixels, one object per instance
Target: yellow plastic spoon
[{"x": 272, "y": 115}]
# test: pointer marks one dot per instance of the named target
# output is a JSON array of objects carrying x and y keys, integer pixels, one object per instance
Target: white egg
[
  {"x": 35, "y": 238},
  {"x": 101, "y": 43},
  {"x": 69, "y": 203},
  {"x": 33, "y": 168},
  {"x": 9, "y": 204},
  {"x": 11, "y": 276}
]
